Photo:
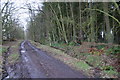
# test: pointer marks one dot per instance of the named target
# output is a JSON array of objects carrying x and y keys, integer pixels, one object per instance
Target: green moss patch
[
  {"x": 95, "y": 61},
  {"x": 110, "y": 72},
  {"x": 82, "y": 65},
  {"x": 13, "y": 58},
  {"x": 4, "y": 49}
]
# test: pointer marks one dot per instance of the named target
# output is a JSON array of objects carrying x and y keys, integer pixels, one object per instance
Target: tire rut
[{"x": 41, "y": 65}]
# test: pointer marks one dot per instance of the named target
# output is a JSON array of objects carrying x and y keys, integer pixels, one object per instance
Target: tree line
[
  {"x": 11, "y": 28},
  {"x": 65, "y": 22},
  {"x": 75, "y": 22}
]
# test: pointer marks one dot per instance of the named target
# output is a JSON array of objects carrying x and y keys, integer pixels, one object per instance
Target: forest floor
[{"x": 47, "y": 61}]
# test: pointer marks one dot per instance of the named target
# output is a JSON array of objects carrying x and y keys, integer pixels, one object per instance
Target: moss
[
  {"x": 95, "y": 61},
  {"x": 13, "y": 58},
  {"x": 110, "y": 72},
  {"x": 107, "y": 67},
  {"x": 82, "y": 65},
  {"x": 4, "y": 49}
]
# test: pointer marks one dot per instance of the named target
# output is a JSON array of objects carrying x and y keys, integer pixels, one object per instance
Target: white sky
[{"x": 23, "y": 13}]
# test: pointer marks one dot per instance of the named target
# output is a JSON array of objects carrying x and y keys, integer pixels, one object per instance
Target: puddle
[
  {"x": 26, "y": 59},
  {"x": 23, "y": 51},
  {"x": 22, "y": 47},
  {"x": 6, "y": 78}
]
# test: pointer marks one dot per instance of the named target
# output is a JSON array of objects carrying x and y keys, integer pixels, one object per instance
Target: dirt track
[{"x": 41, "y": 65}]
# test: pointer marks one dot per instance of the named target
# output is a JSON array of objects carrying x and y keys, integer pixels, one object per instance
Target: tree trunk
[
  {"x": 92, "y": 22},
  {"x": 63, "y": 26},
  {"x": 73, "y": 24},
  {"x": 107, "y": 24},
  {"x": 80, "y": 23}
]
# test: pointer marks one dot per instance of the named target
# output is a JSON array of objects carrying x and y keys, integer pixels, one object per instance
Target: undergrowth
[{"x": 94, "y": 56}]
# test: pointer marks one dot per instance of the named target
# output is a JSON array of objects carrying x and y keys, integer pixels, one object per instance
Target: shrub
[
  {"x": 96, "y": 51},
  {"x": 114, "y": 50},
  {"x": 72, "y": 43},
  {"x": 107, "y": 67},
  {"x": 101, "y": 46}
]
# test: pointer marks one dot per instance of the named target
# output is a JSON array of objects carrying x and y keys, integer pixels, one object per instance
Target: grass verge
[
  {"x": 13, "y": 53},
  {"x": 3, "y": 49}
]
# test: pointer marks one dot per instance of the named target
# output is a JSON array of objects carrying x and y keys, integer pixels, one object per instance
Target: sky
[{"x": 21, "y": 13}]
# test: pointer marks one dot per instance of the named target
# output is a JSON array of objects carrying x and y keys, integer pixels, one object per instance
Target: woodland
[{"x": 84, "y": 30}]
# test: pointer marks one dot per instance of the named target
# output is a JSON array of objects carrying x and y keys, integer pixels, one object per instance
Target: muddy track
[{"x": 41, "y": 65}]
